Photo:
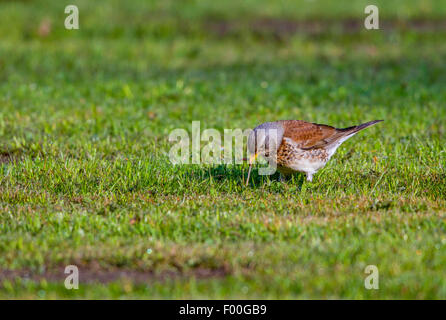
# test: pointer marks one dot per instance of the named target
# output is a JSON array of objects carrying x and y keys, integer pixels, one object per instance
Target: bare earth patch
[
  {"x": 5, "y": 157},
  {"x": 93, "y": 274},
  {"x": 9, "y": 156}
]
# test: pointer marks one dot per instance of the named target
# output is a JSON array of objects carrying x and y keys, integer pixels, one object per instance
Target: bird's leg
[
  {"x": 309, "y": 177},
  {"x": 283, "y": 178}
]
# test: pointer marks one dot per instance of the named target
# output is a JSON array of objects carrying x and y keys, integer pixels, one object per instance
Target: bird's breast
[{"x": 292, "y": 157}]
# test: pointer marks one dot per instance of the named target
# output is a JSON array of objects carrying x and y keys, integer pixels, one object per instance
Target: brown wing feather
[
  {"x": 309, "y": 135},
  {"x": 312, "y": 135}
]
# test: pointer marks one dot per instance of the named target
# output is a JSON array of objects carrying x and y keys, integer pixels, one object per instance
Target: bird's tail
[
  {"x": 341, "y": 135},
  {"x": 354, "y": 129},
  {"x": 346, "y": 133}
]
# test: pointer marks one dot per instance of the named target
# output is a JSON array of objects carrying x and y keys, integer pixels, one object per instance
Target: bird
[{"x": 297, "y": 145}]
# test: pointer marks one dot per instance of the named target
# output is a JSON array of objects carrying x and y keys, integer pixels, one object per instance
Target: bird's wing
[{"x": 310, "y": 135}]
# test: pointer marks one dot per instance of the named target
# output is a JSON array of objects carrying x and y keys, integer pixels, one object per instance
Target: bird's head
[{"x": 264, "y": 140}]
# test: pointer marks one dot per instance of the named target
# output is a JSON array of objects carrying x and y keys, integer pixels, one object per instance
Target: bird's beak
[{"x": 251, "y": 161}]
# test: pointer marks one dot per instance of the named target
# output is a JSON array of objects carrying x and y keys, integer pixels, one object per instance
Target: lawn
[{"x": 85, "y": 177}]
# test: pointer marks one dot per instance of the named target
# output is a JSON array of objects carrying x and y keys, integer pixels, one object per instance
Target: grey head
[{"x": 264, "y": 140}]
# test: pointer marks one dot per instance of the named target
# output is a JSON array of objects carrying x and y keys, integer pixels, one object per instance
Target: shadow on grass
[{"x": 237, "y": 175}]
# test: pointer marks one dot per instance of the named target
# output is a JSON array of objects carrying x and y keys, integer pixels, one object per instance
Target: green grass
[{"x": 85, "y": 177}]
